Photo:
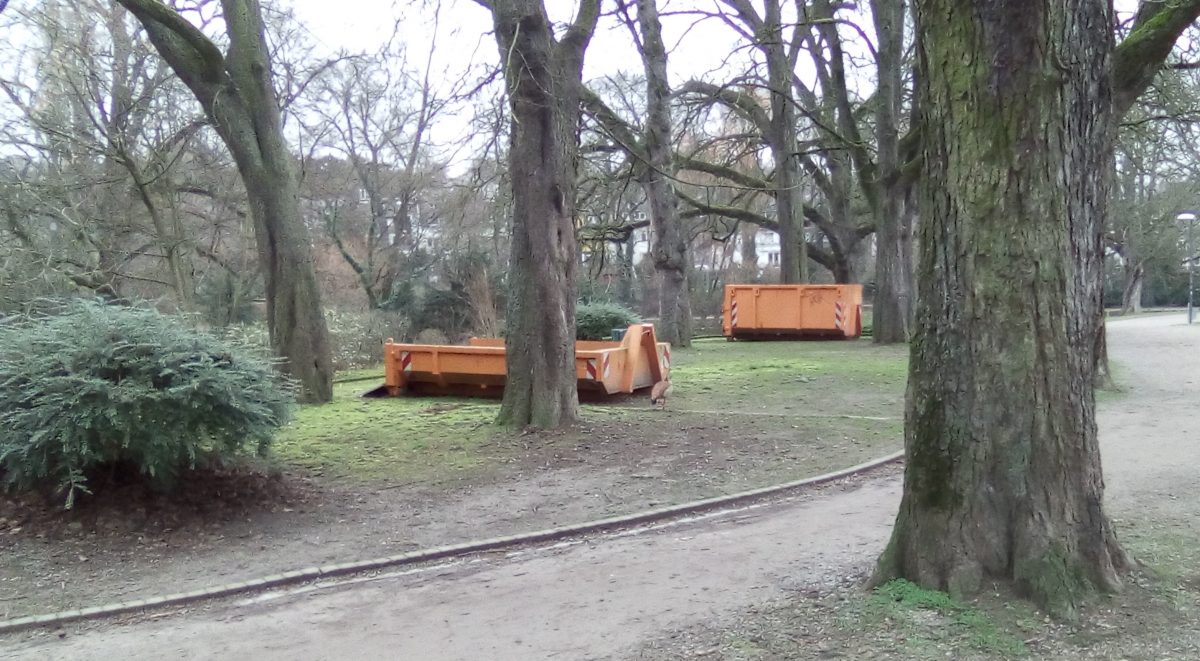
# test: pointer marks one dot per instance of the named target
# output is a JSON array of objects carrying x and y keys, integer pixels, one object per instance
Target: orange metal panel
[
  {"x": 606, "y": 368},
  {"x": 486, "y": 342},
  {"x": 792, "y": 310}
]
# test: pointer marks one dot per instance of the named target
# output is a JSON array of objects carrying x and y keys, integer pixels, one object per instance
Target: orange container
[
  {"x": 478, "y": 369},
  {"x": 767, "y": 311}
]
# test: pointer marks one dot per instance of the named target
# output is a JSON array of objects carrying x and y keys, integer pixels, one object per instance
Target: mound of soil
[{"x": 121, "y": 505}]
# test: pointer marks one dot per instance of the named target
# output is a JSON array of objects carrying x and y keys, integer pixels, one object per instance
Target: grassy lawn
[
  {"x": 771, "y": 398},
  {"x": 392, "y": 438},
  {"x": 807, "y": 378},
  {"x": 1114, "y": 314}
]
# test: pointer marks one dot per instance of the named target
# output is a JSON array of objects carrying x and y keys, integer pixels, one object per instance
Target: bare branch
[
  {"x": 1140, "y": 56},
  {"x": 154, "y": 13}
]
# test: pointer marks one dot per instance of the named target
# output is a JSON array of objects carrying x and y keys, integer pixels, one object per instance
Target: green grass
[
  {"x": 1153, "y": 617},
  {"x": 822, "y": 378},
  {"x": 1167, "y": 548},
  {"x": 926, "y": 617},
  {"x": 360, "y": 374},
  {"x": 1114, "y": 314},
  {"x": 769, "y": 389},
  {"x": 1113, "y": 390},
  {"x": 394, "y": 439},
  {"x": 898, "y": 620}
]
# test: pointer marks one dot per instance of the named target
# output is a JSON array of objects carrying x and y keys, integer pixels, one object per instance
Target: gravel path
[{"x": 599, "y": 598}]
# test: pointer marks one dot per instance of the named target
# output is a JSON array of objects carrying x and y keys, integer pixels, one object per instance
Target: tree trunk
[
  {"x": 892, "y": 308},
  {"x": 843, "y": 269},
  {"x": 842, "y": 244},
  {"x": 237, "y": 94},
  {"x": 859, "y": 258},
  {"x": 625, "y": 251},
  {"x": 294, "y": 313},
  {"x": 1003, "y": 479},
  {"x": 670, "y": 249},
  {"x": 544, "y": 81},
  {"x": 1131, "y": 296},
  {"x": 749, "y": 234},
  {"x": 837, "y": 222},
  {"x": 793, "y": 256}
]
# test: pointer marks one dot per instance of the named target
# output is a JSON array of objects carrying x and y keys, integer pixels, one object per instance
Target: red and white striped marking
[
  {"x": 406, "y": 362},
  {"x": 733, "y": 313},
  {"x": 598, "y": 372},
  {"x": 839, "y": 315}
]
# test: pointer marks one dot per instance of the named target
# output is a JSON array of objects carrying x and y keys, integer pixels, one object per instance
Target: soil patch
[{"x": 359, "y": 479}]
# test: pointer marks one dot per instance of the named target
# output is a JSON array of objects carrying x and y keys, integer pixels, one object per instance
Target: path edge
[{"x": 437, "y": 553}]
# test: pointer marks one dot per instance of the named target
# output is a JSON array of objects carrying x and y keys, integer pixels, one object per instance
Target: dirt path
[
  {"x": 365, "y": 479},
  {"x": 1150, "y": 437},
  {"x": 598, "y": 599}
]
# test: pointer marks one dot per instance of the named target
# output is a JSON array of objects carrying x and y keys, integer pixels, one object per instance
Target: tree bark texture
[
  {"x": 793, "y": 258},
  {"x": 670, "y": 242},
  {"x": 543, "y": 75},
  {"x": 1131, "y": 296},
  {"x": 236, "y": 92},
  {"x": 1003, "y": 479},
  {"x": 892, "y": 309}
]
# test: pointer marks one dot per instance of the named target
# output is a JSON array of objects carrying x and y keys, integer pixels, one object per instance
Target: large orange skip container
[
  {"x": 765, "y": 311},
  {"x": 478, "y": 369}
]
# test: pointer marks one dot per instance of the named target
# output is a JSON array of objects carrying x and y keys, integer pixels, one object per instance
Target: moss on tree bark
[
  {"x": 1003, "y": 481},
  {"x": 237, "y": 94},
  {"x": 543, "y": 75}
]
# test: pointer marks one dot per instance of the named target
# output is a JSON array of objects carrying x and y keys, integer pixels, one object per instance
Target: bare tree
[
  {"x": 769, "y": 33},
  {"x": 236, "y": 90},
  {"x": 544, "y": 78},
  {"x": 102, "y": 151},
  {"x": 652, "y": 161},
  {"x": 377, "y": 111},
  {"x": 815, "y": 132}
]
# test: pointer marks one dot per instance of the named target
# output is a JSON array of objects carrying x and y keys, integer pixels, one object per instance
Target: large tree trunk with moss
[
  {"x": 1003, "y": 480},
  {"x": 670, "y": 247},
  {"x": 295, "y": 317},
  {"x": 544, "y": 86},
  {"x": 236, "y": 91}
]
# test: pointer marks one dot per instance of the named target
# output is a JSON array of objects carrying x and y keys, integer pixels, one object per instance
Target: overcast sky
[
  {"x": 463, "y": 37},
  {"x": 465, "y": 28},
  {"x": 464, "y": 40}
]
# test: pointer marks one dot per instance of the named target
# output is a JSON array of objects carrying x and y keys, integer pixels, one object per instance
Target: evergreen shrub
[
  {"x": 100, "y": 388},
  {"x": 596, "y": 321}
]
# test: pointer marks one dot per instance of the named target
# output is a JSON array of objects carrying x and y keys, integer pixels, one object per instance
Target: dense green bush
[
  {"x": 225, "y": 298},
  {"x": 596, "y": 321},
  {"x": 449, "y": 311},
  {"x": 100, "y": 388}
]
